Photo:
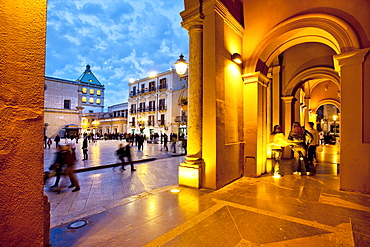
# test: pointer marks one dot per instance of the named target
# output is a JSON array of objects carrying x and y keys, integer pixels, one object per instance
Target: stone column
[
  {"x": 355, "y": 118},
  {"x": 255, "y": 122},
  {"x": 287, "y": 121},
  {"x": 191, "y": 172}
]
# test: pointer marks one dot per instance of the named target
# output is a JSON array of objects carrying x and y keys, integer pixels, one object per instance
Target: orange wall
[{"x": 22, "y": 46}]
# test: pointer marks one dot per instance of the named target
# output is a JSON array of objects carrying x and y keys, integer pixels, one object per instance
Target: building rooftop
[{"x": 88, "y": 77}]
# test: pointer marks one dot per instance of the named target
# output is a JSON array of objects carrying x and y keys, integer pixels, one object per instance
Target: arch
[
  {"x": 325, "y": 102},
  {"x": 323, "y": 28},
  {"x": 317, "y": 73}
]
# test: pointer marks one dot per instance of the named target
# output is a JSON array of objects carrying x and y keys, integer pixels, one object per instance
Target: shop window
[
  {"x": 84, "y": 90},
  {"x": 84, "y": 99}
]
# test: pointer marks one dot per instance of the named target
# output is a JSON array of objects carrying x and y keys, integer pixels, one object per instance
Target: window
[
  {"x": 84, "y": 99},
  {"x": 98, "y": 92},
  {"x": 91, "y": 100},
  {"x": 84, "y": 90},
  {"x": 97, "y": 101},
  {"x": 67, "y": 104},
  {"x": 90, "y": 80},
  {"x": 142, "y": 88},
  {"x": 91, "y": 111},
  {"x": 91, "y": 91},
  {"x": 133, "y": 90},
  {"x": 162, "y": 104},
  {"x": 151, "y": 86},
  {"x": 162, "y": 83}
]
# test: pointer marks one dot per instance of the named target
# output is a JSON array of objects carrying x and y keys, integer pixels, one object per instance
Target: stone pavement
[
  {"x": 265, "y": 211},
  {"x": 102, "y": 181}
]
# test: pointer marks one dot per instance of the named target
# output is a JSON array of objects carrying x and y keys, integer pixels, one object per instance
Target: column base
[{"x": 190, "y": 172}]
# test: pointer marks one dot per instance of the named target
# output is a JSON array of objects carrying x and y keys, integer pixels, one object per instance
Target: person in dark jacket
[
  {"x": 123, "y": 152},
  {"x": 84, "y": 149}
]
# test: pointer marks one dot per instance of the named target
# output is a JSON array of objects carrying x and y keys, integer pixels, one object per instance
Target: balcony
[
  {"x": 162, "y": 108},
  {"x": 150, "y": 123},
  {"x": 132, "y": 124},
  {"x": 181, "y": 119},
  {"x": 163, "y": 86},
  {"x": 161, "y": 122},
  {"x": 132, "y": 111},
  {"x": 132, "y": 93}
]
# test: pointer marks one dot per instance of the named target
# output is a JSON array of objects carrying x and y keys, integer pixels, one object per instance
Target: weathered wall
[{"x": 22, "y": 47}]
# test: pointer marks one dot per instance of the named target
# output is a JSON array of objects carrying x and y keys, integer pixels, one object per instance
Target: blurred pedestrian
[
  {"x": 185, "y": 143},
  {"x": 301, "y": 139},
  {"x": 57, "y": 140},
  {"x": 125, "y": 152},
  {"x": 70, "y": 161},
  {"x": 165, "y": 140},
  {"x": 277, "y": 142},
  {"x": 49, "y": 142},
  {"x": 173, "y": 142},
  {"x": 45, "y": 141}
]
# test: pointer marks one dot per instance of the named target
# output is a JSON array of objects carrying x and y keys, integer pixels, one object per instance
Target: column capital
[
  {"x": 288, "y": 99},
  {"x": 349, "y": 58},
  {"x": 256, "y": 77}
]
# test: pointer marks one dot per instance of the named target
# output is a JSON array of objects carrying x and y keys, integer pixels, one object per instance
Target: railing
[
  {"x": 162, "y": 86},
  {"x": 162, "y": 108},
  {"x": 132, "y": 93},
  {"x": 150, "y": 123},
  {"x": 132, "y": 111},
  {"x": 161, "y": 122},
  {"x": 180, "y": 119}
]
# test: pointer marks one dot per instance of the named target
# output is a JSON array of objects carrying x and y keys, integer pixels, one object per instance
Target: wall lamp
[{"x": 236, "y": 58}]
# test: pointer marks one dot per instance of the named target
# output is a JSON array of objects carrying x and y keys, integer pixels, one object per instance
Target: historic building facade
[
  {"x": 65, "y": 101},
  {"x": 113, "y": 121},
  {"x": 154, "y": 104}
]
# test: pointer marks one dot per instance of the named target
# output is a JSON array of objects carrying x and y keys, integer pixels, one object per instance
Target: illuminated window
[
  {"x": 84, "y": 90},
  {"x": 97, "y": 101},
  {"x": 91, "y": 91},
  {"x": 84, "y": 99},
  {"x": 91, "y": 100},
  {"x": 98, "y": 92},
  {"x": 90, "y": 80}
]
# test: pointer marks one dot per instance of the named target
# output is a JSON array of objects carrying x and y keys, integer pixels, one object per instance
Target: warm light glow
[
  {"x": 95, "y": 123},
  {"x": 153, "y": 74},
  {"x": 91, "y": 91},
  {"x": 84, "y": 90},
  {"x": 335, "y": 117},
  {"x": 175, "y": 190},
  {"x": 181, "y": 66},
  {"x": 237, "y": 58}
]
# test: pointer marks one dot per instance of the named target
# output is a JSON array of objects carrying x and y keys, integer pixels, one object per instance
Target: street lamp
[{"x": 181, "y": 67}]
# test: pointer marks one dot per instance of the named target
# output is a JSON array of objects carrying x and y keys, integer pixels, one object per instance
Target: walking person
[
  {"x": 173, "y": 142},
  {"x": 185, "y": 143},
  {"x": 70, "y": 161},
  {"x": 73, "y": 146},
  {"x": 165, "y": 140},
  {"x": 57, "y": 140},
  {"x": 84, "y": 149},
  {"x": 125, "y": 152},
  {"x": 278, "y": 141},
  {"x": 301, "y": 139},
  {"x": 311, "y": 152},
  {"x": 49, "y": 143},
  {"x": 45, "y": 141},
  {"x": 58, "y": 166}
]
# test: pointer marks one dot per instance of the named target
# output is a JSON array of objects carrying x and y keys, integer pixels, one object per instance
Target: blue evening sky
[{"x": 120, "y": 39}]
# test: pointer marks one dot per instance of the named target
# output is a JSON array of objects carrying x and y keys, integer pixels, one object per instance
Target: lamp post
[{"x": 335, "y": 117}]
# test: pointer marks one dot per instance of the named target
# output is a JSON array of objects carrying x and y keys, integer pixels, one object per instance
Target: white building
[
  {"x": 154, "y": 107},
  {"x": 65, "y": 101}
]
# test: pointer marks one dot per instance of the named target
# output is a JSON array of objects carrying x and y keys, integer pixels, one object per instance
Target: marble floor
[{"x": 265, "y": 211}]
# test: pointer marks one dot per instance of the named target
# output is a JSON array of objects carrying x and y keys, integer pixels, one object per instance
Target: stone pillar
[
  {"x": 255, "y": 122},
  {"x": 276, "y": 112},
  {"x": 24, "y": 208},
  {"x": 287, "y": 121},
  {"x": 191, "y": 172},
  {"x": 355, "y": 111}
]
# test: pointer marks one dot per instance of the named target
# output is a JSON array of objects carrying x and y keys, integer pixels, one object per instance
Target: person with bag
[
  {"x": 301, "y": 139},
  {"x": 278, "y": 141}
]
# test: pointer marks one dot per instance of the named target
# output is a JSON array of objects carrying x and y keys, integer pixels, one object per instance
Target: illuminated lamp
[
  {"x": 181, "y": 66},
  {"x": 236, "y": 58}
]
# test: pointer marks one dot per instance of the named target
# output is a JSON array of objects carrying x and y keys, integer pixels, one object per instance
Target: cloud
[{"x": 120, "y": 39}]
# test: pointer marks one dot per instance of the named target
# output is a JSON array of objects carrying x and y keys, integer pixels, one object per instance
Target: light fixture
[
  {"x": 181, "y": 66},
  {"x": 236, "y": 58}
]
